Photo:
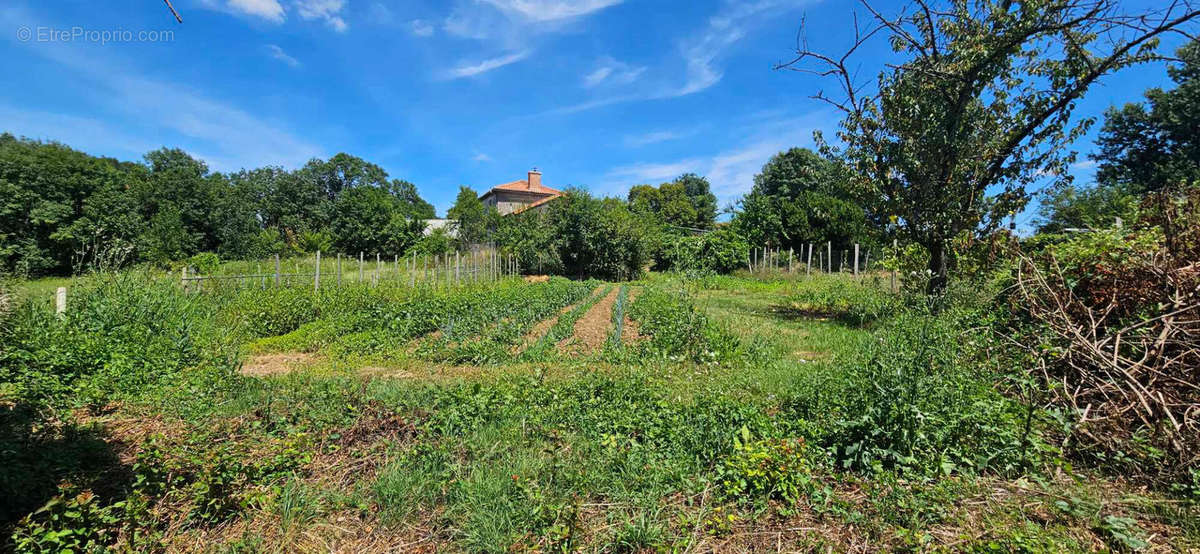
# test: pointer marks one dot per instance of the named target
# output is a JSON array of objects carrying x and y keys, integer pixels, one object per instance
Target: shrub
[
  {"x": 722, "y": 251},
  {"x": 767, "y": 468},
  {"x": 850, "y": 301},
  {"x": 121, "y": 335},
  {"x": 204, "y": 262},
  {"x": 915, "y": 402}
]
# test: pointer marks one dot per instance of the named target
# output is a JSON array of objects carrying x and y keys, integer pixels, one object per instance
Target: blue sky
[{"x": 604, "y": 94}]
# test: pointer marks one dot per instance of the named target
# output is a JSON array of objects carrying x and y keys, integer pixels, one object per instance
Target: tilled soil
[
  {"x": 592, "y": 330},
  {"x": 544, "y": 326}
]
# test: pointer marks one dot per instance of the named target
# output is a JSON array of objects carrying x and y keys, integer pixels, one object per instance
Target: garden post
[
  {"x": 60, "y": 301},
  {"x": 896, "y": 255},
  {"x": 183, "y": 278},
  {"x": 808, "y": 266},
  {"x": 412, "y": 275},
  {"x": 856, "y": 259},
  {"x": 829, "y": 256},
  {"x": 317, "y": 274},
  {"x": 457, "y": 261},
  {"x": 360, "y": 267},
  {"x": 339, "y": 269},
  {"x": 277, "y": 270}
]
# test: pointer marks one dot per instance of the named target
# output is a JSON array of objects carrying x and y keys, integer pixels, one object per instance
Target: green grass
[{"x": 681, "y": 442}]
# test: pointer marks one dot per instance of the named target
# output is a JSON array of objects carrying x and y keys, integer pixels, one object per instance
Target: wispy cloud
[
  {"x": 730, "y": 171},
  {"x": 726, "y": 28},
  {"x": 481, "y": 157},
  {"x": 329, "y": 11},
  {"x": 276, "y": 52},
  {"x": 551, "y": 10},
  {"x": 653, "y": 138},
  {"x": 613, "y": 72},
  {"x": 270, "y": 10},
  {"x": 225, "y": 135},
  {"x": 421, "y": 28},
  {"x": 472, "y": 69}
]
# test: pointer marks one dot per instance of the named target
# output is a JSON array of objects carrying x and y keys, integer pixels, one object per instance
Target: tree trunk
[{"x": 939, "y": 269}]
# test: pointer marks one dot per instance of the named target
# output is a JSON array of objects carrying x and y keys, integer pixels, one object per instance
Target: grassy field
[{"x": 717, "y": 414}]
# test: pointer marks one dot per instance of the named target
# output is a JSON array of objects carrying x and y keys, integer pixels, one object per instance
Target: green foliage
[
  {"x": 73, "y": 521},
  {"x": 686, "y": 202},
  {"x": 204, "y": 262},
  {"x": 721, "y": 251},
  {"x": 851, "y": 301},
  {"x": 1097, "y": 207},
  {"x": 65, "y": 211},
  {"x": 913, "y": 402},
  {"x": 978, "y": 106},
  {"x": 780, "y": 469},
  {"x": 800, "y": 198},
  {"x": 473, "y": 221},
  {"x": 120, "y": 336},
  {"x": 677, "y": 329},
  {"x": 1151, "y": 146},
  {"x": 579, "y": 236}
]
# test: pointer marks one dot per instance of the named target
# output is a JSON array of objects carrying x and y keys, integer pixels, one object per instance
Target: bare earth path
[
  {"x": 544, "y": 326},
  {"x": 593, "y": 328}
]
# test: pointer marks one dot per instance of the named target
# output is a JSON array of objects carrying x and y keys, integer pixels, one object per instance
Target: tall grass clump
[
  {"x": 853, "y": 302},
  {"x": 677, "y": 328},
  {"x": 120, "y": 336},
  {"x": 918, "y": 401}
]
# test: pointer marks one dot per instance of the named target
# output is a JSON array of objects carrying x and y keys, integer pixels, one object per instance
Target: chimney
[{"x": 535, "y": 179}]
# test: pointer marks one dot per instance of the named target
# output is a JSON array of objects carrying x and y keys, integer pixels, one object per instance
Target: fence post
[
  {"x": 317, "y": 274},
  {"x": 378, "y": 267},
  {"x": 896, "y": 255},
  {"x": 339, "y": 270},
  {"x": 183, "y": 278},
  {"x": 457, "y": 261},
  {"x": 60, "y": 301},
  {"x": 808, "y": 265},
  {"x": 856, "y": 259},
  {"x": 412, "y": 273},
  {"x": 277, "y": 270}
]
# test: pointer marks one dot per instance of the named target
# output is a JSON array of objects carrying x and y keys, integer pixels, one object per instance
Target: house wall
[{"x": 507, "y": 202}]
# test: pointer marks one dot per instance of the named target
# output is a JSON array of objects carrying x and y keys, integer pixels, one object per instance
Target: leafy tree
[
  {"x": 472, "y": 220},
  {"x": 179, "y": 187},
  {"x": 43, "y": 190},
  {"x": 1145, "y": 147},
  {"x": 685, "y": 202},
  {"x": 411, "y": 202},
  {"x": 370, "y": 219},
  {"x": 978, "y": 105},
  {"x": 1092, "y": 207},
  {"x": 720, "y": 251},
  {"x": 801, "y": 198}
]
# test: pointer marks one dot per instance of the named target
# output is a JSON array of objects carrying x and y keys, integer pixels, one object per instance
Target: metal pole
[
  {"x": 317, "y": 274},
  {"x": 277, "y": 270},
  {"x": 339, "y": 269},
  {"x": 856, "y": 260}
]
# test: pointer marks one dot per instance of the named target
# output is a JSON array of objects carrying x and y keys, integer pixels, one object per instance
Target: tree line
[{"x": 64, "y": 211}]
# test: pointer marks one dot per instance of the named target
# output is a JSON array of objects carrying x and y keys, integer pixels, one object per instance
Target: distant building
[
  {"x": 518, "y": 196},
  {"x": 447, "y": 224}
]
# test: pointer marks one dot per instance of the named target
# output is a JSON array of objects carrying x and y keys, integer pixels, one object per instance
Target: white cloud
[
  {"x": 612, "y": 72},
  {"x": 327, "y": 10},
  {"x": 473, "y": 69},
  {"x": 420, "y": 28},
  {"x": 653, "y": 137},
  {"x": 730, "y": 171},
  {"x": 702, "y": 52},
  {"x": 270, "y": 10},
  {"x": 276, "y": 52},
  {"x": 481, "y": 157},
  {"x": 551, "y": 10}
]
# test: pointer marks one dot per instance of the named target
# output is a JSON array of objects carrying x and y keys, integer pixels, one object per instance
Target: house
[{"x": 518, "y": 196}]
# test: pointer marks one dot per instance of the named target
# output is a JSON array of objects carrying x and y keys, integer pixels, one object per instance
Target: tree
[
  {"x": 1146, "y": 147},
  {"x": 801, "y": 198},
  {"x": 1092, "y": 207},
  {"x": 685, "y": 202},
  {"x": 472, "y": 220},
  {"x": 979, "y": 106}
]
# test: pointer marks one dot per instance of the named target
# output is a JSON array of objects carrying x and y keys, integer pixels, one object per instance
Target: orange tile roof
[{"x": 523, "y": 186}]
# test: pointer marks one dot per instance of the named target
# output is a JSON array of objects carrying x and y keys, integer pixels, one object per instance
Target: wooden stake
[
  {"x": 317, "y": 274},
  {"x": 856, "y": 260}
]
